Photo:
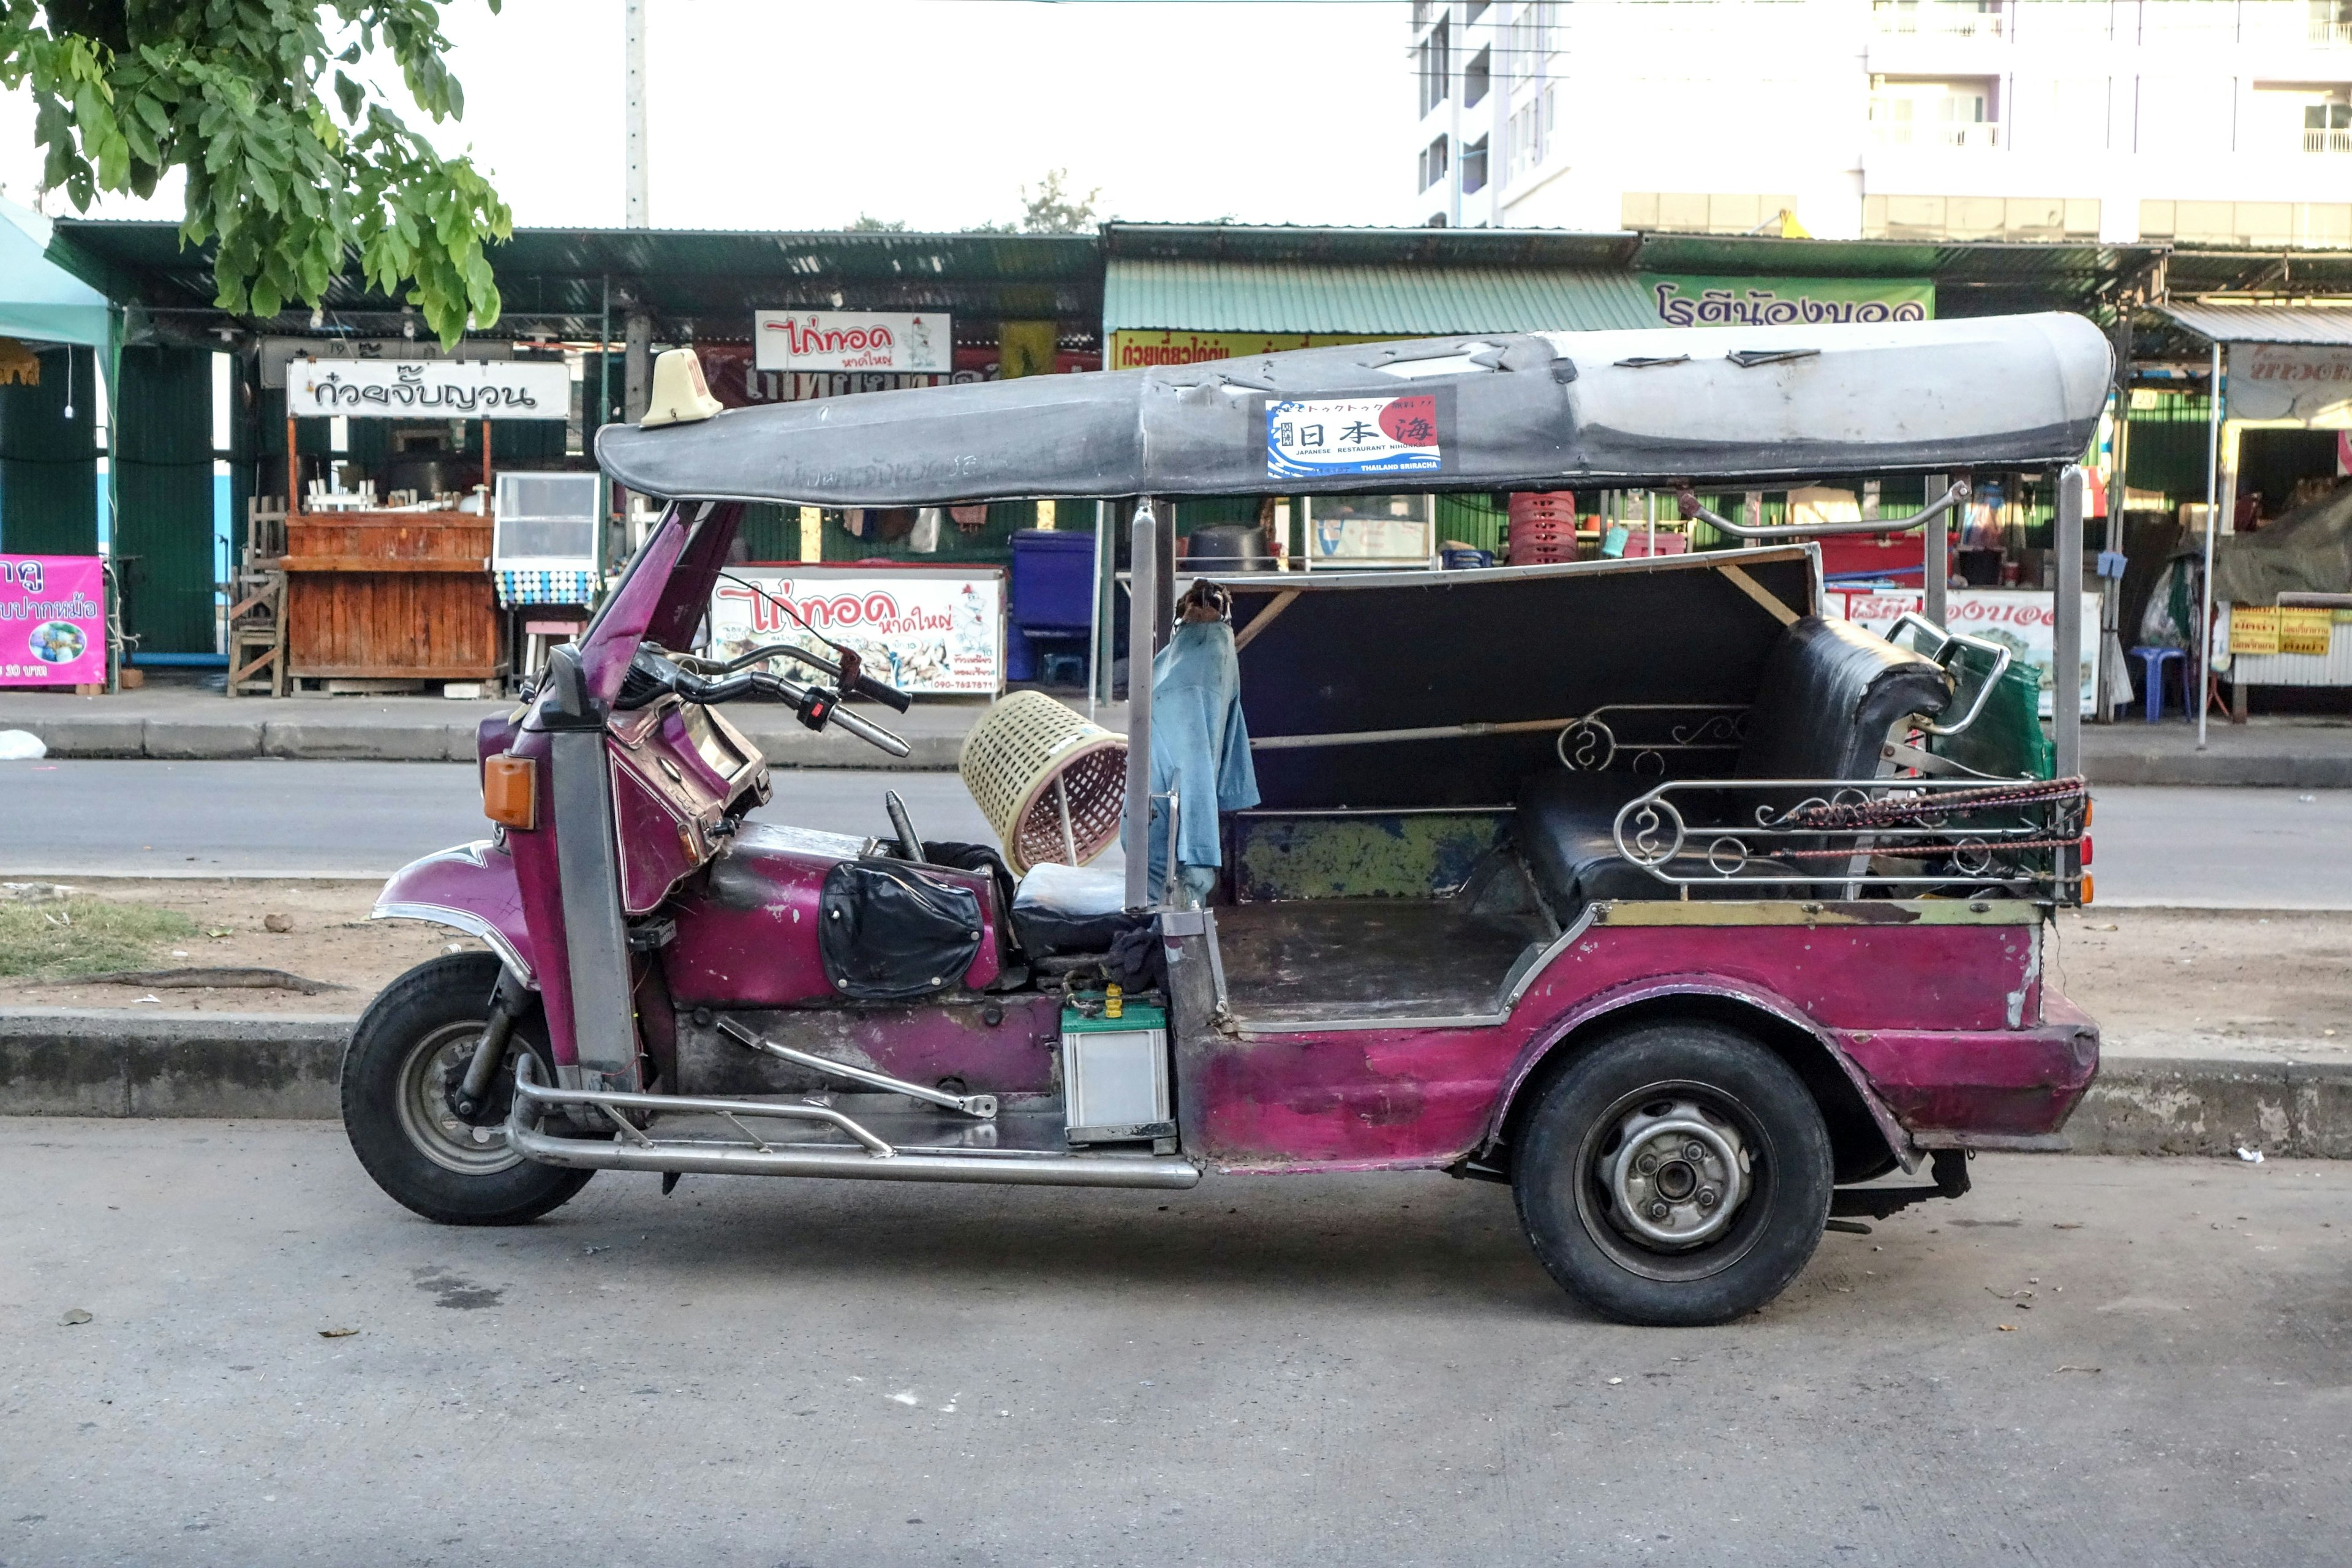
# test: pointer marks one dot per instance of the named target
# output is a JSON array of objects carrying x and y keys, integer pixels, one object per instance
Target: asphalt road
[
  {"x": 2228, "y": 848},
  {"x": 133, "y": 818},
  {"x": 1365, "y": 1369}
]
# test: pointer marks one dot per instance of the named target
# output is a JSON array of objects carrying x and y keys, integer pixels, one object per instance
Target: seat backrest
[{"x": 1831, "y": 693}]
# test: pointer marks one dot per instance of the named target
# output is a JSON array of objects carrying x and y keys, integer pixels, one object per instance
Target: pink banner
[{"x": 52, "y": 621}]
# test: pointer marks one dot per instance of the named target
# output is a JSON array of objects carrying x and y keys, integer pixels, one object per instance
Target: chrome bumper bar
[{"x": 873, "y": 1160}]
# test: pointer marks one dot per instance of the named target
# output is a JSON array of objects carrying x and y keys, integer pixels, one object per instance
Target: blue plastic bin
[{"x": 1053, "y": 584}]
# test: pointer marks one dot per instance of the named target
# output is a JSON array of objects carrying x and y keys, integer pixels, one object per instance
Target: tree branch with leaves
[{"x": 296, "y": 163}]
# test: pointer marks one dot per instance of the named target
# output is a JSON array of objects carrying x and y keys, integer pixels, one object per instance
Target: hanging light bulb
[{"x": 69, "y": 385}]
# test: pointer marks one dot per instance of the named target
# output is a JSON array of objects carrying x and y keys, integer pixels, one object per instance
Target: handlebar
[
  {"x": 654, "y": 673},
  {"x": 865, "y": 686}
]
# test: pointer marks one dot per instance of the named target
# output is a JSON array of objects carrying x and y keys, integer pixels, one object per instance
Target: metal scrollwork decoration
[
  {"x": 1586, "y": 746},
  {"x": 1726, "y": 857},
  {"x": 1656, "y": 832}
]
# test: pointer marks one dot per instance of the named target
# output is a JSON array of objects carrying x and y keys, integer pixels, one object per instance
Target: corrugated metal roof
[
  {"x": 2263, "y": 323},
  {"x": 556, "y": 277},
  {"x": 1407, "y": 300},
  {"x": 1368, "y": 246}
]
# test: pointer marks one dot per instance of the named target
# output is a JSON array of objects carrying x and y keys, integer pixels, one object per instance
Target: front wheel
[
  {"x": 410, "y": 1050},
  {"x": 1674, "y": 1176}
]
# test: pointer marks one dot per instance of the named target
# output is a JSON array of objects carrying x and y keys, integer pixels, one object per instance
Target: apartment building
[{"x": 2197, "y": 121}]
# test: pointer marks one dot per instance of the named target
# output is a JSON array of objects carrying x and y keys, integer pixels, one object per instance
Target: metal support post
[
  {"x": 1143, "y": 593},
  {"x": 2212, "y": 522},
  {"x": 637, "y": 366},
  {"x": 2066, "y": 623}
]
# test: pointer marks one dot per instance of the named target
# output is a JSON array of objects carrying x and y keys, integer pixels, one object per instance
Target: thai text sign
[
  {"x": 851, "y": 339},
  {"x": 1787, "y": 302},
  {"x": 2018, "y": 619},
  {"x": 1132, "y": 350},
  {"x": 2291, "y": 380},
  {"x": 52, "y": 620},
  {"x": 928, "y": 630},
  {"x": 1322, "y": 437},
  {"x": 429, "y": 389}
]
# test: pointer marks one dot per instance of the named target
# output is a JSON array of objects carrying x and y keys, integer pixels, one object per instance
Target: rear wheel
[
  {"x": 1676, "y": 1175},
  {"x": 409, "y": 1052}
]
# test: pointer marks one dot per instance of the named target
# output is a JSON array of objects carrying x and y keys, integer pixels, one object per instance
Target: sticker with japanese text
[{"x": 1320, "y": 436}]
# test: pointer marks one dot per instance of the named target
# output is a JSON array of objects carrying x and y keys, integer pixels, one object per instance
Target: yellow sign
[
  {"x": 1132, "y": 350},
  {"x": 2306, "y": 630},
  {"x": 1025, "y": 348},
  {"x": 2253, "y": 630}
]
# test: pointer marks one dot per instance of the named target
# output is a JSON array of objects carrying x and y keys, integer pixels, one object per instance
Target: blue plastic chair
[{"x": 2152, "y": 663}]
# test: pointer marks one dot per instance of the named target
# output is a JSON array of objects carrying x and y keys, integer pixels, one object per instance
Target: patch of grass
[{"x": 83, "y": 936}]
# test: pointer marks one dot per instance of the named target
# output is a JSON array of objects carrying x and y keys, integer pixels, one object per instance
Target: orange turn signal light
[
  {"x": 511, "y": 792},
  {"x": 2086, "y": 889}
]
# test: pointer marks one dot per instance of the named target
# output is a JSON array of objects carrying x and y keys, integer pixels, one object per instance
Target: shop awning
[
  {"x": 1373, "y": 300},
  {"x": 40, "y": 300},
  {"x": 2263, "y": 323}
]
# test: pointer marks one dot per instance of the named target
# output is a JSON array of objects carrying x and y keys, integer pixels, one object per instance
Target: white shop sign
[
  {"x": 852, "y": 340},
  {"x": 428, "y": 389},
  {"x": 2309, "y": 382},
  {"x": 931, "y": 631},
  {"x": 2017, "y": 618}
]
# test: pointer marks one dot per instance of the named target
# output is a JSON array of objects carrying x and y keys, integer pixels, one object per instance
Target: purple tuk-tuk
[{"x": 1644, "y": 885}]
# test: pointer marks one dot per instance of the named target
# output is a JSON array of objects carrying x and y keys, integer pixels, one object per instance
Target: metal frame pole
[
  {"x": 2212, "y": 522},
  {"x": 1143, "y": 592},
  {"x": 1095, "y": 661},
  {"x": 2067, "y": 627},
  {"x": 1936, "y": 559}
]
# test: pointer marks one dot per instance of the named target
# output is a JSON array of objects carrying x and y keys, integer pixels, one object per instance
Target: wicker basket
[{"x": 1051, "y": 783}]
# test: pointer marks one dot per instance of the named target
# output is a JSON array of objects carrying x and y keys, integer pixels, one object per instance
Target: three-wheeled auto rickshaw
[{"x": 1641, "y": 885}]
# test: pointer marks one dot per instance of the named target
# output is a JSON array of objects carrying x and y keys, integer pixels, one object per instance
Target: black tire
[
  {"x": 423, "y": 1027},
  {"x": 1662, "y": 1092}
]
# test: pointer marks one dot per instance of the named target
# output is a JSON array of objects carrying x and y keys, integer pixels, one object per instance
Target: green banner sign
[{"x": 1778, "y": 301}]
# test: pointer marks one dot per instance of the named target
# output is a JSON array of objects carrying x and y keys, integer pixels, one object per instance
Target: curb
[
  {"x": 2274, "y": 770},
  {"x": 91, "y": 1061},
  {"x": 306, "y": 739},
  {"x": 88, "y": 1061}
]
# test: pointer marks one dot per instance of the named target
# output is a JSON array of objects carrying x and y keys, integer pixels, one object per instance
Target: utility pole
[{"x": 634, "y": 213}]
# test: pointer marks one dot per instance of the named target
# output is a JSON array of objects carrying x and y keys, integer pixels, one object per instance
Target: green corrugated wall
[
  {"x": 48, "y": 464},
  {"x": 162, "y": 454}
]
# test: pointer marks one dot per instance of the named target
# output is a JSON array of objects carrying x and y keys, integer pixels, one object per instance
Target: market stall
[{"x": 394, "y": 586}]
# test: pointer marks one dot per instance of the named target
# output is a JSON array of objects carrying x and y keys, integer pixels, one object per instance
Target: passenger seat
[{"x": 1830, "y": 694}]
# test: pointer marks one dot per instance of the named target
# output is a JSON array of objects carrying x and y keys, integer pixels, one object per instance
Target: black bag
[{"x": 889, "y": 933}]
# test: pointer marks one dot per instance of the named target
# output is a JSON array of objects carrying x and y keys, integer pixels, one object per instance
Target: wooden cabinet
[{"x": 390, "y": 595}]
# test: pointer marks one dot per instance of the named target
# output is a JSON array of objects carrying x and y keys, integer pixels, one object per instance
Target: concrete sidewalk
[
  {"x": 62, "y": 1062},
  {"x": 178, "y": 721},
  {"x": 174, "y": 719}
]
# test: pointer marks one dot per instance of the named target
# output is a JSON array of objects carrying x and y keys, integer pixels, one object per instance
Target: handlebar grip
[
  {"x": 889, "y": 696},
  {"x": 872, "y": 734}
]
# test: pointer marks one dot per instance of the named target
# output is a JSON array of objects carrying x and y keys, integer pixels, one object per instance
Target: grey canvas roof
[{"x": 1762, "y": 404}]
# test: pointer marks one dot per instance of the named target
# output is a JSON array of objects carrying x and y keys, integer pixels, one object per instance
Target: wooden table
[{"x": 390, "y": 596}]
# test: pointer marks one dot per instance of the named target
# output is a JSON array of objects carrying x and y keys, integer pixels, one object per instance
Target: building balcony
[
  {"x": 1933, "y": 135},
  {"x": 2328, "y": 141},
  {"x": 1941, "y": 18}
]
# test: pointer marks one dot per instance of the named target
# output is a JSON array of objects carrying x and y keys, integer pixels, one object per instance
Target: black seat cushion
[
  {"x": 1830, "y": 695},
  {"x": 1565, "y": 827}
]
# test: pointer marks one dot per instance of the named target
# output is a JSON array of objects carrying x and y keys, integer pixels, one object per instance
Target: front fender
[{"x": 471, "y": 887}]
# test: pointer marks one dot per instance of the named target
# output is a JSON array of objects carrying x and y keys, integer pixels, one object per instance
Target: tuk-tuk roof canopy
[{"x": 1766, "y": 406}]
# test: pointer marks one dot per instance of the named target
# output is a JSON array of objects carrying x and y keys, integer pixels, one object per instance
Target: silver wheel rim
[
  {"x": 1677, "y": 1175},
  {"x": 433, "y": 1064}
]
